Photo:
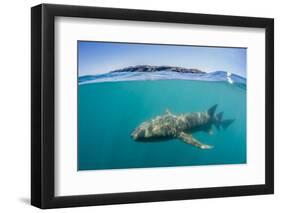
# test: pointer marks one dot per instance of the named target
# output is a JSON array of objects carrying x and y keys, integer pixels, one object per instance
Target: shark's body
[{"x": 169, "y": 126}]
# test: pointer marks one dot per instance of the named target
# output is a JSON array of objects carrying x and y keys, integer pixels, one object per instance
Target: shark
[{"x": 171, "y": 126}]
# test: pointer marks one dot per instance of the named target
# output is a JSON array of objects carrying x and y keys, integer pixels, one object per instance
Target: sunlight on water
[{"x": 228, "y": 78}]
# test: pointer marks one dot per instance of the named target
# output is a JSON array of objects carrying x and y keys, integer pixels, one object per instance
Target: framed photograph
[{"x": 139, "y": 106}]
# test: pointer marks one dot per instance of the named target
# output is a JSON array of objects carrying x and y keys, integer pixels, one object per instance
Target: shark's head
[{"x": 138, "y": 134}]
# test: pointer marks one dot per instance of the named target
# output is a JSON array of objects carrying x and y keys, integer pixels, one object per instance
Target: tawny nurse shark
[{"x": 170, "y": 126}]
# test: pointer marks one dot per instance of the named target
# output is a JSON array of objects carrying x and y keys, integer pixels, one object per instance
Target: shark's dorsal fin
[{"x": 168, "y": 112}]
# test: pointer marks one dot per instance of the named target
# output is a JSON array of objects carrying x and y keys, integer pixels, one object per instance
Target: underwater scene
[{"x": 148, "y": 112}]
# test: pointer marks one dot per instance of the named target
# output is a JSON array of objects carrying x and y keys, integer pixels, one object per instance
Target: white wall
[{"x": 15, "y": 105}]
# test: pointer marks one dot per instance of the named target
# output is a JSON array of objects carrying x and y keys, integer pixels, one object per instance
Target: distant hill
[
  {"x": 148, "y": 68},
  {"x": 147, "y": 72}
]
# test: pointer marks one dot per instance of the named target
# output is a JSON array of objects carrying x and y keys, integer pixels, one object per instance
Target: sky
[{"x": 102, "y": 57}]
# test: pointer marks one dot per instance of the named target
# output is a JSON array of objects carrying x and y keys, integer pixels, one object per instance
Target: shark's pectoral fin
[{"x": 187, "y": 138}]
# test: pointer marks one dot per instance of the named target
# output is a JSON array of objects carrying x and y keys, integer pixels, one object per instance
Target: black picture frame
[{"x": 43, "y": 102}]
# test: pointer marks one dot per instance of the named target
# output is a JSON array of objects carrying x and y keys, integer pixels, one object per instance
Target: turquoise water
[{"x": 108, "y": 112}]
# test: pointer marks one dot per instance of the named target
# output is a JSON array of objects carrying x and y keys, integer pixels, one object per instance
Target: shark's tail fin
[
  {"x": 217, "y": 119},
  {"x": 219, "y": 122},
  {"x": 226, "y": 123}
]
